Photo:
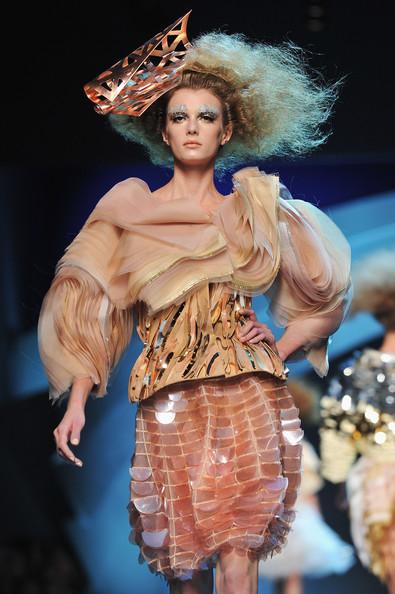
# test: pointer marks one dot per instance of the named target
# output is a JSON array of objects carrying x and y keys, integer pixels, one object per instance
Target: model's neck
[
  {"x": 196, "y": 183},
  {"x": 388, "y": 344}
]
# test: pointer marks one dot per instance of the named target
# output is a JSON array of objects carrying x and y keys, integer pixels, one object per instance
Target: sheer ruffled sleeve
[
  {"x": 312, "y": 290},
  {"x": 81, "y": 332}
]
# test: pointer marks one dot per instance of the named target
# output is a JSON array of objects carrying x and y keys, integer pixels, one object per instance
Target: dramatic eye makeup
[
  {"x": 178, "y": 113},
  {"x": 209, "y": 112}
]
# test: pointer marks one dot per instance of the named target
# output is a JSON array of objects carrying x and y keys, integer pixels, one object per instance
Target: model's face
[{"x": 194, "y": 126}]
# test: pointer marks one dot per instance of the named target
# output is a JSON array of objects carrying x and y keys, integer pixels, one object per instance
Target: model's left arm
[{"x": 312, "y": 291}]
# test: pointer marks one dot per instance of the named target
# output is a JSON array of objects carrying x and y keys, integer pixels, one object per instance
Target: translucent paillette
[{"x": 216, "y": 468}]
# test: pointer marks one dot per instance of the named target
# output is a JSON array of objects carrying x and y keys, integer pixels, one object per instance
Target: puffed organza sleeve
[
  {"x": 312, "y": 290},
  {"x": 81, "y": 332}
]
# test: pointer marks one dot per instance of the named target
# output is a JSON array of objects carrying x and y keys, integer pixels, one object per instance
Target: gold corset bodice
[{"x": 197, "y": 339}]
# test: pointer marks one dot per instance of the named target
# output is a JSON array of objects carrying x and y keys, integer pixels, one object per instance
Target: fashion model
[
  {"x": 358, "y": 424},
  {"x": 216, "y": 468}
]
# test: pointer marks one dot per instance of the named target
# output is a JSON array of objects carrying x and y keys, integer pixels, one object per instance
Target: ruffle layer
[
  {"x": 216, "y": 467},
  {"x": 140, "y": 249},
  {"x": 80, "y": 332},
  {"x": 166, "y": 249}
]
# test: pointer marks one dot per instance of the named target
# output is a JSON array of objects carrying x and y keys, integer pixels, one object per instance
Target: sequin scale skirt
[{"x": 216, "y": 467}]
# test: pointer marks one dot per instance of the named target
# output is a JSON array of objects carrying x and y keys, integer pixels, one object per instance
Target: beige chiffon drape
[{"x": 134, "y": 247}]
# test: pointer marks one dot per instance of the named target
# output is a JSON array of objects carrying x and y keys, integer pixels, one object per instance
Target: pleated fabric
[
  {"x": 135, "y": 248},
  {"x": 216, "y": 467}
]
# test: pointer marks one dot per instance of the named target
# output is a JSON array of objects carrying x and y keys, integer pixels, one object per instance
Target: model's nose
[{"x": 192, "y": 126}]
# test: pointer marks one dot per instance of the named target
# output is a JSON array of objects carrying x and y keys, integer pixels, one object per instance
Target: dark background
[
  {"x": 59, "y": 156},
  {"x": 58, "y": 47}
]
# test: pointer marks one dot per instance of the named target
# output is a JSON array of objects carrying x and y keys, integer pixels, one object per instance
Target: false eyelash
[
  {"x": 206, "y": 114},
  {"x": 211, "y": 114},
  {"x": 176, "y": 114}
]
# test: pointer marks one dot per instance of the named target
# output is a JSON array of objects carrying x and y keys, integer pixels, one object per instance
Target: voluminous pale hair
[
  {"x": 374, "y": 287},
  {"x": 277, "y": 105}
]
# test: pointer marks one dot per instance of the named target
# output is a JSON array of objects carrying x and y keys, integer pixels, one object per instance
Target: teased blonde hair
[
  {"x": 374, "y": 287},
  {"x": 276, "y": 104}
]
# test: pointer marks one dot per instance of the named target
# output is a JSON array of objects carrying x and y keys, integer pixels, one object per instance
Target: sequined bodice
[
  {"x": 194, "y": 339},
  {"x": 368, "y": 380},
  {"x": 360, "y": 405}
]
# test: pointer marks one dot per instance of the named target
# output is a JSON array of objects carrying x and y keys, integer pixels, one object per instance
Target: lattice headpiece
[{"x": 131, "y": 85}]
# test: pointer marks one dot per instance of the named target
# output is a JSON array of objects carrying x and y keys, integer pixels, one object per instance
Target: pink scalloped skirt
[{"x": 216, "y": 467}]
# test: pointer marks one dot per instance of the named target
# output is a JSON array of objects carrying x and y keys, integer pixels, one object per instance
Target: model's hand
[
  {"x": 69, "y": 429},
  {"x": 253, "y": 330}
]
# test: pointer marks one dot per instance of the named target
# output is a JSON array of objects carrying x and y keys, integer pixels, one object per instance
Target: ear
[
  {"x": 164, "y": 137},
  {"x": 227, "y": 133}
]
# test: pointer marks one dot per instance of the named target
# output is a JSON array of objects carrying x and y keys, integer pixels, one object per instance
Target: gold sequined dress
[
  {"x": 358, "y": 447},
  {"x": 217, "y": 458}
]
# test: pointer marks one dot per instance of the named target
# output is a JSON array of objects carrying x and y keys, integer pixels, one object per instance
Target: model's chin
[{"x": 192, "y": 157}]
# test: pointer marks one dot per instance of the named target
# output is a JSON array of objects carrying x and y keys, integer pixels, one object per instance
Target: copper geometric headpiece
[{"x": 131, "y": 85}]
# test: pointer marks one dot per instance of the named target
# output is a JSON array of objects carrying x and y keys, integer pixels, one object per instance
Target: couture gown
[
  {"x": 217, "y": 458},
  {"x": 358, "y": 447}
]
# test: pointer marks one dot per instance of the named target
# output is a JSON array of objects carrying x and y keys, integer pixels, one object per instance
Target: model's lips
[{"x": 192, "y": 143}]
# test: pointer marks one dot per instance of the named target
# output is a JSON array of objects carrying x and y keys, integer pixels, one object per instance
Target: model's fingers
[
  {"x": 75, "y": 440},
  {"x": 75, "y": 436},
  {"x": 269, "y": 337},
  {"x": 258, "y": 338},
  {"x": 63, "y": 449},
  {"x": 256, "y": 334},
  {"x": 267, "y": 333},
  {"x": 253, "y": 332},
  {"x": 245, "y": 328},
  {"x": 76, "y": 461},
  {"x": 247, "y": 311},
  {"x": 65, "y": 454}
]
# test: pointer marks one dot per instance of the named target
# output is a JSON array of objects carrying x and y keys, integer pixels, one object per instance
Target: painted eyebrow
[
  {"x": 177, "y": 109},
  {"x": 211, "y": 109},
  {"x": 182, "y": 108}
]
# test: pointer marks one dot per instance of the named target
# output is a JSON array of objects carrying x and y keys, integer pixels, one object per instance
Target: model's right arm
[{"x": 81, "y": 332}]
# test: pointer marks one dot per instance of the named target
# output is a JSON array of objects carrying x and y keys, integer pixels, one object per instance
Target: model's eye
[
  {"x": 177, "y": 117},
  {"x": 208, "y": 117}
]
